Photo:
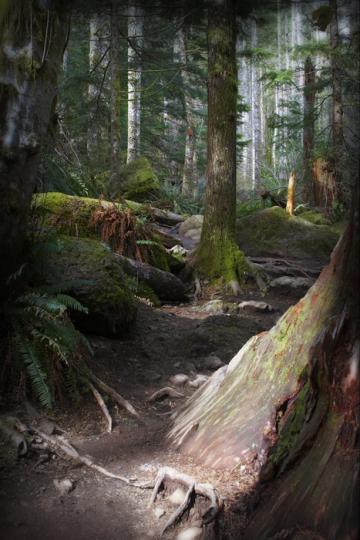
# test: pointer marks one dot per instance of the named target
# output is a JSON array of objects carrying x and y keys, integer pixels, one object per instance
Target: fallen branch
[
  {"x": 206, "y": 490},
  {"x": 167, "y": 391},
  {"x": 102, "y": 405},
  {"x": 60, "y": 446},
  {"x": 114, "y": 395}
]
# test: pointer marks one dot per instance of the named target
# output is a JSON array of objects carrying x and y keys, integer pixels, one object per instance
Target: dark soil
[{"x": 164, "y": 342}]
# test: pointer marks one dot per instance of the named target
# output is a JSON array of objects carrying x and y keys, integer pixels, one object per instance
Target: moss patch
[
  {"x": 136, "y": 180},
  {"x": 272, "y": 232},
  {"x": 317, "y": 218}
]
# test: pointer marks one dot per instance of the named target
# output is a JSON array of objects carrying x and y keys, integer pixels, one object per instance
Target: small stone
[
  {"x": 252, "y": 305},
  {"x": 192, "y": 533},
  {"x": 213, "y": 362},
  {"x": 64, "y": 486},
  {"x": 177, "y": 497},
  {"x": 159, "y": 512},
  {"x": 179, "y": 380}
]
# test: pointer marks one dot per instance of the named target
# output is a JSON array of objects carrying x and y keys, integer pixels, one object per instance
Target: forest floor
[{"x": 165, "y": 341}]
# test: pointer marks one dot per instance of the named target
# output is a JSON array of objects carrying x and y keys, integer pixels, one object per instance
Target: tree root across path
[
  {"x": 20, "y": 435},
  {"x": 194, "y": 488}
]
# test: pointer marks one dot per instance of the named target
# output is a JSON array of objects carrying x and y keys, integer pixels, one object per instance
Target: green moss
[
  {"x": 273, "y": 232},
  {"x": 96, "y": 279},
  {"x": 136, "y": 180},
  {"x": 219, "y": 258},
  {"x": 315, "y": 217}
]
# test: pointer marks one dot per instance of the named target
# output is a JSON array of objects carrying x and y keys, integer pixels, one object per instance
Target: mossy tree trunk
[
  {"x": 218, "y": 255},
  {"x": 309, "y": 128},
  {"x": 287, "y": 406},
  {"x": 32, "y": 42}
]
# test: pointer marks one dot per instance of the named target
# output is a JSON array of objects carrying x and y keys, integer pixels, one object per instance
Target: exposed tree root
[
  {"x": 194, "y": 488},
  {"x": 167, "y": 391},
  {"x": 102, "y": 406},
  {"x": 113, "y": 394}
]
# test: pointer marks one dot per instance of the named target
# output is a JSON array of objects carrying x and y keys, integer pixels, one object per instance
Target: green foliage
[
  {"x": 169, "y": 197},
  {"x": 44, "y": 341}
]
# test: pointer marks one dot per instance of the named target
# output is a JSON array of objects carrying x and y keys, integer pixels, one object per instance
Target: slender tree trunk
[
  {"x": 218, "y": 255},
  {"x": 337, "y": 109},
  {"x": 309, "y": 129},
  {"x": 30, "y": 63},
  {"x": 135, "y": 36},
  {"x": 115, "y": 88},
  {"x": 188, "y": 179},
  {"x": 97, "y": 61},
  {"x": 256, "y": 113}
]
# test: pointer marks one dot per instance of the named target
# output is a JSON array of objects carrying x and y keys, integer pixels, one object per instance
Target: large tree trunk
[
  {"x": 30, "y": 62},
  {"x": 115, "y": 88},
  {"x": 135, "y": 35},
  {"x": 287, "y": 406},
  {"x": 218, "y": 255},
  {"x": 309, "y": 129}
]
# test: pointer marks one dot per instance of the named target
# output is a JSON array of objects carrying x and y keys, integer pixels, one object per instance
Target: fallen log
[{"x": 165, "y": 285}]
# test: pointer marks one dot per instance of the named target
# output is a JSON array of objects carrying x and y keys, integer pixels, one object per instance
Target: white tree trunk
[
  {"x": 115, "y": 88},
  {"x": 188, "y": 178},
  {"x": 135, "y": 36}
]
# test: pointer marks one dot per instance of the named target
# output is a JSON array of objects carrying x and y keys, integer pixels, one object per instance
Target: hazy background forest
[{"x": 134, "y": 85}]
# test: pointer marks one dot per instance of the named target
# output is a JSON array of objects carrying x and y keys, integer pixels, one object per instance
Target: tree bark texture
[
  {"x": 32, "y": 42},
  {"x": 135, "y": 35},
  {"x": 287, "y": 406},
  {"x": 188, "y": 178},
  {"x": 218, "y": 255},
  {"x": 97, "y": 61},
  {"x": 309, "y": 129},
  {"x": 115, "y": 88}
]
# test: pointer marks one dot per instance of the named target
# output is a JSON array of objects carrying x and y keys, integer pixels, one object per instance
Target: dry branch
[
  {"x": 102, "y": 406},
  {"x": 114, "y": 395}
]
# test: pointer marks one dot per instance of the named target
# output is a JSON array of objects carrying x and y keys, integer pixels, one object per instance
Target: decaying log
[
  {"x": 102, "y": 405},
  {"x": 194, "y": 487},
  {"x": 290, "y": 205},
  {"x": 165, "y": 285},
  {"x": 167, "y": 391}
]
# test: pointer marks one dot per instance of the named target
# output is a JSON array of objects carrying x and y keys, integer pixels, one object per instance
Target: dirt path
[{"x": 164, "y": 342}]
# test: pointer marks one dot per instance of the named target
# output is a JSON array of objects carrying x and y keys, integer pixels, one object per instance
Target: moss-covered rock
[
  {"x": 96, "y": 279},
  {"x": 136, "y": 180},
  {"x": 317, "y": 218},
  {"x": 273, "y": 232}
]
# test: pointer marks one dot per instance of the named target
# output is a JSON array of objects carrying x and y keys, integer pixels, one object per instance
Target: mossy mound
[
  {"x": 317, "y": 218},
  {"x": 92, "y": 275},
  {"x": 136, "y": 180},
  {"x": 273, "y": 232},
  {"x": 71, "y": 215}
]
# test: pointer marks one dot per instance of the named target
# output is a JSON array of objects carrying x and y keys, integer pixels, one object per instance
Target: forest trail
[{"x": 165, "y": 341}]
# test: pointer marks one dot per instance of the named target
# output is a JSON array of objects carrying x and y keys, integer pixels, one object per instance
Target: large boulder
[
  {"x": 190, "y": 231},
  {"x": 136, "y": 180},
  {"x": 90, "y": 273},
  {"x": 273, "y": 232}
]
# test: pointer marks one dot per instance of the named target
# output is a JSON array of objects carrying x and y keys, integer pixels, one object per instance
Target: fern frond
[{"x": 71, "y": 303}]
